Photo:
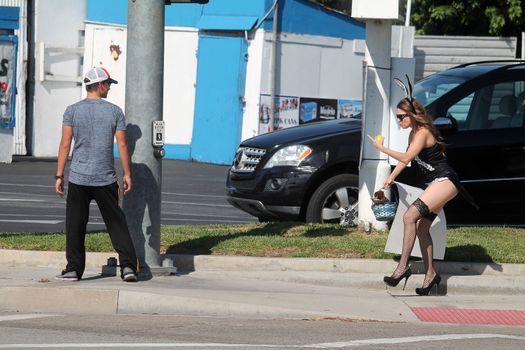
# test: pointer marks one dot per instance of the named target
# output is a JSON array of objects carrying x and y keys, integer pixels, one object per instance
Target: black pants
[{"x": 77, "y": 215}]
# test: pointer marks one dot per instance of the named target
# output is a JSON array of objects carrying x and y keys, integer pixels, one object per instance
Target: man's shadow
[{"x": 140, "y": 204}]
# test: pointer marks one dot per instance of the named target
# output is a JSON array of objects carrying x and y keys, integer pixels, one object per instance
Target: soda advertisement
[
  {"x": 317, "y": 109},
  {"x": 293, "y": 110},
  {"x": 286, "y": 113},
  {"x": 7, "y": 81}
]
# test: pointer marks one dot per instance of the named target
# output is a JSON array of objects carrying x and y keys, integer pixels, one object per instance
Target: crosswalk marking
[
  {"x": 351, "y": 343},
  {"x": 19, "y": 317}
]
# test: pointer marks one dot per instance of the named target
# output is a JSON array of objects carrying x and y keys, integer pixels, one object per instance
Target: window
[{"x": 497, "y": 106}]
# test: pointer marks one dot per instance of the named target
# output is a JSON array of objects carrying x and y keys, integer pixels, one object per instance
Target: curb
[
  {"x": 188, "y": 263},
  {"x": 458, "y": 277},
  {"x": 207, "y": 262}
]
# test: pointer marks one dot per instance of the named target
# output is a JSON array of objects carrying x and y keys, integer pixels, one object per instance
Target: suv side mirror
[{"x": 446, "y": 125}]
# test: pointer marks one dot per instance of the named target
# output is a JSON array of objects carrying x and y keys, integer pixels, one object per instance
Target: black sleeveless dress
[{"x": 433, "y": 166}]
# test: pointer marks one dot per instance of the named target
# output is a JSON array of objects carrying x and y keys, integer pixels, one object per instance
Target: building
[{"x": 219, "y": 69}]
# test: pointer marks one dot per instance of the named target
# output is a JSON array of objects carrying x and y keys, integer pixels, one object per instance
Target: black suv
[{"x": 310, "y": 172}]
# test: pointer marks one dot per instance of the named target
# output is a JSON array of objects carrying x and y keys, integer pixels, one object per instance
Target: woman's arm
[
  {"x": 397, "y": 170},
  {"x": 417, "y": 143}
]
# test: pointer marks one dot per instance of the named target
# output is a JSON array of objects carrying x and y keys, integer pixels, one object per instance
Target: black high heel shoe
[
  {"x": 424, "y": 291},
  {"x": 394, "y": 281}
]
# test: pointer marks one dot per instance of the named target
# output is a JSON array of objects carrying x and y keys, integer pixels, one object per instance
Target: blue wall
[
  {"x": 9, "y": 16},
  {"x": 180, "y": 15},
  {"x": 295, "y": 16},
  {"x": 307, "y": 17}
]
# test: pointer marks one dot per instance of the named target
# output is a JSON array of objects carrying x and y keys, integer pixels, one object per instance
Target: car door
[{"x": 488, "y": 150}]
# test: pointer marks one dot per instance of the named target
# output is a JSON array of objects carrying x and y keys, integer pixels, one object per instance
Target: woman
[{"x": 425, "y": 151}]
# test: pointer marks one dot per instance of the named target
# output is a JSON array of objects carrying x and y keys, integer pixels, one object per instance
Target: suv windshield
[{"x": 430, "y": 88}]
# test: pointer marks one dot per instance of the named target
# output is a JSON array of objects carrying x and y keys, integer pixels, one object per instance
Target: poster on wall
[
  {"x": 349, "y": 108},
  {"x": 7, "y": 81},
  {"x": 286, "y": 112},
  {"x": 293, "y": 111},
  {"x": 317, "y": 109}
]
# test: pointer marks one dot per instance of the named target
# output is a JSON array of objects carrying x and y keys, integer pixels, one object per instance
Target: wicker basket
[{"x": 385, "y": 211}]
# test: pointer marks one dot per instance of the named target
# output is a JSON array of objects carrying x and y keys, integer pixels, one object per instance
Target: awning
[{"x": 226, "y": 22}]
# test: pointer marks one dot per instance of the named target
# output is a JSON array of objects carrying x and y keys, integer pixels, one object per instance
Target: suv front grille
[{"x": 247, "y": 159}]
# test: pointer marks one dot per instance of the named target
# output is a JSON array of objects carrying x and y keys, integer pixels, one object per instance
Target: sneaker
[
  {"x": 67, "y": 276},
  {"x": 129, "y": 275}
]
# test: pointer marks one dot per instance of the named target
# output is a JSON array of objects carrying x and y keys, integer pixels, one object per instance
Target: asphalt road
[
  {"x": 30, "y": 331},
  {"x": 192, "y": 194}
]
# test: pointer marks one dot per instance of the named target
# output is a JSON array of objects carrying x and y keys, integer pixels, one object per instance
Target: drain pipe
[{"x": 273, "y": 63}]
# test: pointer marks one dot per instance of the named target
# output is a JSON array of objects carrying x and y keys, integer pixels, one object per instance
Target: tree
[
  {"x": 458, "y": 17},
  {"x": 468, "y": 17}
]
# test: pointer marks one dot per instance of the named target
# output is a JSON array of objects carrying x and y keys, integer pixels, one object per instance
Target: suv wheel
[{"x": 335, "y": 201}]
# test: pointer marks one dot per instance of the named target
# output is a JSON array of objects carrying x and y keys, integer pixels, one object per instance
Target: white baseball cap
[{"x": 96, "y": 75}]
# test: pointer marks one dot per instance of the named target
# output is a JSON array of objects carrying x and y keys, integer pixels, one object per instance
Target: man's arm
[
  {"x": 63, "y": 153},
  {"x": 122, "y": 144}
]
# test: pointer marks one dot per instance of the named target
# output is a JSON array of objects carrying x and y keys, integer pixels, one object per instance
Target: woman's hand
[
  {"x": 377, "y": 141},
  {"x": 388, "y": 182}
]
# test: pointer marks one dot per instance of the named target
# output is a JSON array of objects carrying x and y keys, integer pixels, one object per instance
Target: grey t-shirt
[{"x": 94, "y": 123}]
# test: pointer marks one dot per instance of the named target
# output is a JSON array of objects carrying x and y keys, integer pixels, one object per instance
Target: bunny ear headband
[{"x": 408, "y": 91}]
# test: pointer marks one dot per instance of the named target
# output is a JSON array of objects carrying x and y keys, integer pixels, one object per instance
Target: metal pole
[
  {"x": 409, "y": 11},
  {"x": 273, "y": 65},
  {"x": 144, "y": 92},
  {"x": 522, "y": 45}
]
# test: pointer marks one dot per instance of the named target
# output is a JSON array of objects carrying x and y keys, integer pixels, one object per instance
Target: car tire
[{"x": 335, "y": 201}]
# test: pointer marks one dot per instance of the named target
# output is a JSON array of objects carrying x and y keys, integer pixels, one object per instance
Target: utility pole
[
  {"x": 144, "y": 103},
  {"x": 374, "y": 167}
]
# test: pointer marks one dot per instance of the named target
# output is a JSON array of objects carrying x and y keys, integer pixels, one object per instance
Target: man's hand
[
  {"x": 59, "y": 187},
  {"x": 126, "y": 181}
]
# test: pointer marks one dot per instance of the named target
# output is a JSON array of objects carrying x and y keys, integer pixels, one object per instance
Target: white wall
[
  {"x": 58, "y": 24},
  {"x": 180, "y": 69},
  {"x": 6, "y": 145},
  {"x": 315, "y": 66},
  {"x": 250, "y": 120},
  {"x": 180, "y": 76}
]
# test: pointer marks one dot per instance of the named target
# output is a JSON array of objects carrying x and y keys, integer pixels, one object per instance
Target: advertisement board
[
  {"x": 293, "y": 110},
  {"x": 8, "y": 47}
]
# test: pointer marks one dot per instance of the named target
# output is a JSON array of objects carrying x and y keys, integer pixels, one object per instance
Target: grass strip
[{"x": 289, "y": 239}]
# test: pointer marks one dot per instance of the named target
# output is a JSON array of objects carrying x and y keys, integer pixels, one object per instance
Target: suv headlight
[{"x": 289, "y": 156}]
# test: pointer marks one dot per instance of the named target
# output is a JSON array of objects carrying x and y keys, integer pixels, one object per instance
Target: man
[{"x": 94, "y": 123}]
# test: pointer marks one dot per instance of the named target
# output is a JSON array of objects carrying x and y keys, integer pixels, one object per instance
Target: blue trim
[
  {"x": 307, "y": 17},
  {"x": 226, "y": 23},
  {"x": 176, "y": 15},
  {"x": 177, "y": 152},
  {"x": 181, "y": 152},
  {"x": 14, "y": 39},
  {"x": 296, "y": 16},
  {"x": 9, "y": 17},
  {"x": 99, "y": 11},
  {"x": 234, "y": 8},
  {"x": 183, "y": 15}
]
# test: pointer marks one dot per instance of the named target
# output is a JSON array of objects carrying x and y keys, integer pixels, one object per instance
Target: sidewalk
[{"x": 264, "y": 288}]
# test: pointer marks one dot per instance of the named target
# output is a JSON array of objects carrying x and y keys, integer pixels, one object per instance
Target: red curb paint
[{"x": 470, "y": 316}]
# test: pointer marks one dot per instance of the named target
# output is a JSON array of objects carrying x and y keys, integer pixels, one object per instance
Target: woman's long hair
[{"x": 419, "y": 116}]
